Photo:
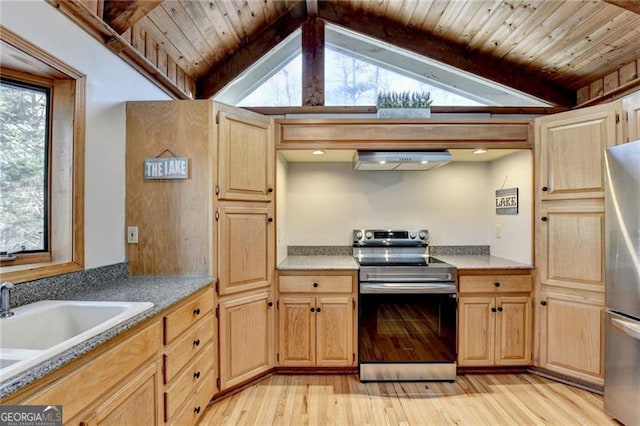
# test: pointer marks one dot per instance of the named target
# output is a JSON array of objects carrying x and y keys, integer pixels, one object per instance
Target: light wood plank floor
[{"x": 504, "y": 399}]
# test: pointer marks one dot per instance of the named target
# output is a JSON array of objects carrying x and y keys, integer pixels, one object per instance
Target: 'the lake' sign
[
  {"x": 166, "y": 168},
  {"x": 507, "y": 201}
]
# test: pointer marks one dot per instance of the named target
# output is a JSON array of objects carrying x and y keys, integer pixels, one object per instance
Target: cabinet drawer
[
  {"x": 184, "y": 317},
  {"x": 494, "y": 283},
  {"x": 198, "y": 371},
  {"x": 315, "y": 284},
  {"x": 187, "y": 346},
  {"x": 195, "y": 407}
]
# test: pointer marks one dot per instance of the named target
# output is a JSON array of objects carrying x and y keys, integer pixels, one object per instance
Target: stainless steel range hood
[{"x": 395, "y": 160}]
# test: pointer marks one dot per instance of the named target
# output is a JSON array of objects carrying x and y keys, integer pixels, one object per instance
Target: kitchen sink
[{"x": 41, "y": 330}]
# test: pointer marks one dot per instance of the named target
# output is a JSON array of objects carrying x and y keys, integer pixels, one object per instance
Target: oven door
[{"x": 407, "y": 331}]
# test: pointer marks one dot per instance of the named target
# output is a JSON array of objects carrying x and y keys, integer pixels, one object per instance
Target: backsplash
[
  {"x": 60, "y": 285},
  {"x": 347, "y": 250}
]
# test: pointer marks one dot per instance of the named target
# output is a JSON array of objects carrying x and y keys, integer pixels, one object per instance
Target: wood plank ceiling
[{"x": 548, "y": 48}]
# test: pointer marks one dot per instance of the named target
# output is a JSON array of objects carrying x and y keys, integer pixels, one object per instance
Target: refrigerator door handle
[{"x": 627, "y": 327}]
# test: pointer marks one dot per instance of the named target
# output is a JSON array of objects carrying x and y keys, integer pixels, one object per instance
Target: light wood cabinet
[
  {"x": 316, "y": 319},
  {"x": 245, "y": 155},
  {"x": 246, "y": 239},
  {"x": 495, "y": 321},
  {"x": 569, "y": 244},
  {"x": 245, "y": 337},
  {"x": 189, "y": 358},
  {"x": 571, "y": 334},
  {"x": 631, "y": 106}
]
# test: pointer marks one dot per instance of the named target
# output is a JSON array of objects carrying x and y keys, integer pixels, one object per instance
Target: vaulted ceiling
[{"x": 546, "y": 48}]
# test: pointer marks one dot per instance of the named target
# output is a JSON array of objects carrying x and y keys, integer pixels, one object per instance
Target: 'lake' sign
[
  {"x": 507, "y": 201},
  {"x": 166, "y": 168}
]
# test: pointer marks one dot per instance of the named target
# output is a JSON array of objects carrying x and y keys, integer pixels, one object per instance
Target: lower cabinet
[
  {"x": 316, "y": 319},
  {"x": 315, "y": 331},
  {"x": 495, "y": 321},
  {"x": 572, "y": 334},
  {"x": 245, "y": 337}
]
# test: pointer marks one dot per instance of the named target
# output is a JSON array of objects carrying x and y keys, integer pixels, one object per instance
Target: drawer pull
[
  {"x": 196, "y": 311},
  {"x": 496, "y": 284},
  {"x": 315, "y": 285},
  {"x": 544, "y": 218},
  {"x": 196, "y": 342},
  {"x": 543, "y": 303},
  {"x": 270, "y": 220},
  {"x": 196, "y": 375},
  {"x": 493, "y": 309},
  {"x": 545, "y": 188},
  {"x": 269, "y": 304},
  {"x": 270, "y": 190},
  {"x": 197, "y": 410}
]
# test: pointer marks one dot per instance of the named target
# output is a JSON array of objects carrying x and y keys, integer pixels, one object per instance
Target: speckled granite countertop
[
  {"x": 318, "y": 263},
  {"x": 162, "y": 291},
  {"x": 482, "y": 262}
]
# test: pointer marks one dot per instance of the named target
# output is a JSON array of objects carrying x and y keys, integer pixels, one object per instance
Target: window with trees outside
[{"x": 24, "y": 166}]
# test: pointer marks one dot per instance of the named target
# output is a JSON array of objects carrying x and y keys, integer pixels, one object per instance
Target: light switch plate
[
  {"x": 498, "y": 230},
  {"x": 132, "y": 235}
]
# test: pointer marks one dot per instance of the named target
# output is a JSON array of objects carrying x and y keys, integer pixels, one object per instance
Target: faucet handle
[{"x": 7, "y": 284}]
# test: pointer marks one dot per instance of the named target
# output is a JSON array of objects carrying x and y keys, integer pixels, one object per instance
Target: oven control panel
[{"x": 390, "y": 237}]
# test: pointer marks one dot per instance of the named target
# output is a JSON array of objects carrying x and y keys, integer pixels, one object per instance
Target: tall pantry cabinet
[
  {"x": 219, "y": 221},
  {"x": 569, "y": 197}
]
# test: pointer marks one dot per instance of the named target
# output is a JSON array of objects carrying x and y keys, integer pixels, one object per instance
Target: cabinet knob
[
  {"x": 315, "y": 285},
  {"x": 544, "y": 218},
  {"x": 543, "y": 302},
  {"x": 196, "y": 375},
  {"x": 313, "y": 309},
  {"x": 545, "y": 188},
  {"x": 269, "y": 304},
  {"x": 493, "y": 309},
  {"x": 318, "y": 309},
  {"x": 197, "y": 410},
  {"x": 196, "y": 311},
  {"x": 196, "y": 342},
  {"x": 270, "y": 220},
  {"x": 497, "y": 284},
  {"x": 500, "y": 309},
  {"x": 270, "y": 190}
]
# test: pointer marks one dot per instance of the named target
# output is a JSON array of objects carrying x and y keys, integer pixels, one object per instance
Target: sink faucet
[{"x": 5, "y": 306}]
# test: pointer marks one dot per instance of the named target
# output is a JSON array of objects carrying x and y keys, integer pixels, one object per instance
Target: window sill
[{"x": 21, "y": 273}]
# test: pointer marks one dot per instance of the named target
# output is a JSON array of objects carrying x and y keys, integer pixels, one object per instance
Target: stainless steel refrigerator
[{"x": 622, "y": 297}]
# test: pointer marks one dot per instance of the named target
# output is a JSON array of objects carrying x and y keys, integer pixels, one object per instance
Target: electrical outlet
[
  {"x": 498, "y": 230},
  {"x": 132, "y": 234}
]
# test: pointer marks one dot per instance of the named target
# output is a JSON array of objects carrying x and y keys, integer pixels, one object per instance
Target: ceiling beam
[
  {"x": 313, "y": 62},
  {"x": 630, "y": 5},
  {"x": 122, "y": 14},
  {"x": 247, "y": 55},
  {"x": 312, "y": 8},
  {"x": 394, "y": 33}
]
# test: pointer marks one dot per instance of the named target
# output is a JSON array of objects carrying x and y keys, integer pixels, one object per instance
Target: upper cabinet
[
  {"x": 631, "y": 105},
  {"x": 570, "y": 149},
  {"x": 246, "y": 155}
]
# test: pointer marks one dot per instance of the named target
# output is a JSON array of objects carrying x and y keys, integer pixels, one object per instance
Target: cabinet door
[
  {"x": 245, "y": 155},
  {"x": 631, "y": 107},
  {"x": 245, "y": 248},
  {"x": 570, "y": 146},
  {"x": 571, "y": 336},
  {"x": 296, "y": 331},
  {"x": 571, "y": 244},
  {"x": 245, "y": 339},
  {"x": 334, "y": 330},
  {"x": 513, "y": 331},
  {"x": 135, "y": 403},
  {"x": 477, "y": 331}
]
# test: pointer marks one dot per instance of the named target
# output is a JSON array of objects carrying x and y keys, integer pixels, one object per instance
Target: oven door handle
[
  {"x": 409, "y": 279},
  {"x": 407, "y": 288}
]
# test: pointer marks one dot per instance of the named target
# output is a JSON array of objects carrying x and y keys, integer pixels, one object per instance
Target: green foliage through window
[{"x": 24, "y": 121}]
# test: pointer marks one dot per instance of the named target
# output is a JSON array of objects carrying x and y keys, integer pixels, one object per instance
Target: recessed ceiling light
[
  {"x": 424, "y": 162},
  {"x": 382, "y": 162},
  {"x": 318, "y": 152},
  {"x": 480, "y": 151}
]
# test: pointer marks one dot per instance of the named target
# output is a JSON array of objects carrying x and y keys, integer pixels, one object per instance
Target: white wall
[
  {"x": 512, "y": 171},
  {"x": 326, "y": 201},
  {"x": 110, "y": 82}
]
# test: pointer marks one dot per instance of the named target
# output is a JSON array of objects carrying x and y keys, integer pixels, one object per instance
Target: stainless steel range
[{"x": 407, "y": 307}]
